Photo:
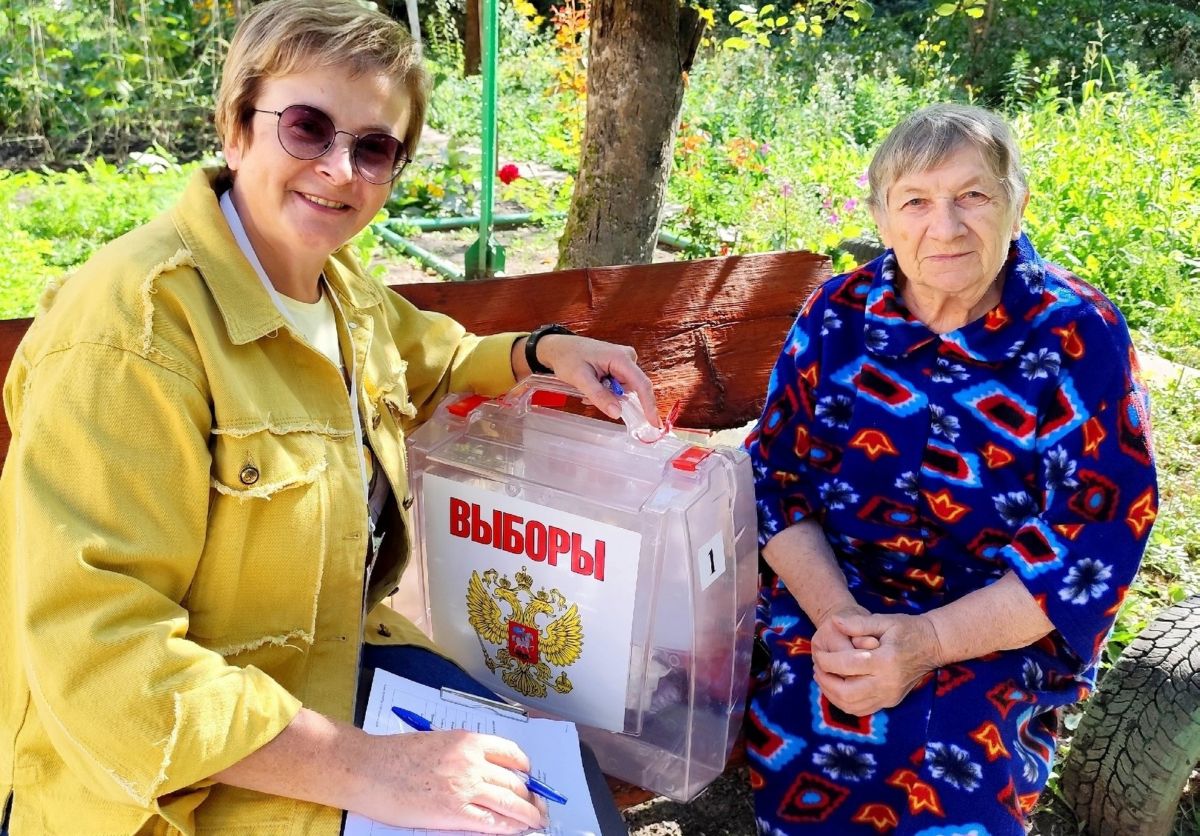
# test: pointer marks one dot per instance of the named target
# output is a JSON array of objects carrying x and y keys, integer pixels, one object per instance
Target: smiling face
[
  {"x": 950, "y": 226},
  {"x": 297, "y": 212}
]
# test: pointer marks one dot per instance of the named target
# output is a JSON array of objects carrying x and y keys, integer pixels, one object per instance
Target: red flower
[{"x": 509, "y": 173}]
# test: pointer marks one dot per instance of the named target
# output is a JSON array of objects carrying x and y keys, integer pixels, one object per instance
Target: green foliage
[
  {"x": 368, "y": 248},
  {"x": 776, "y": 132},
  {"x": 540, "y": 103},
  {"x": 81, "y": 78},
  {"x": 51, "y": 222},
  {"x": 445, "y": 185},
  {"x": 770, "y": 22},
  {"x": 987, "y": 36},
  {"x": 782, "y": 164},
  {"x": 738, "y": 25},
  {"x": 1115, "y": 180}
]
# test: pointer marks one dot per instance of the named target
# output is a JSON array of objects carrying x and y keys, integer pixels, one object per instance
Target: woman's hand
[
  {"x": 584, "y": 363},
  {"x": 861, "y": 681},
  {"x": 443, "y": 780},
  {"x": 829, "y": 639},
  {"x": 448, "y": 780}
]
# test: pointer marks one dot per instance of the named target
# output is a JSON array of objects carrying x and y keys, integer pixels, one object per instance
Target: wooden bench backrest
[{"x": 707, "y": 332}]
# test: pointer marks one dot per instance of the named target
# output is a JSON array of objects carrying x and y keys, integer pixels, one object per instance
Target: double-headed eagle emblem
[{"x": 526, "y": 651}]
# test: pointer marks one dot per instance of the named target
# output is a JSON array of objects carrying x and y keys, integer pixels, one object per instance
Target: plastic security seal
[{"x": 634, "y": 414}]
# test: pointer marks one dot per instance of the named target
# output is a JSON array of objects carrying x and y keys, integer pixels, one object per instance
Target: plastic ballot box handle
[{"x": 524, "y": 395}]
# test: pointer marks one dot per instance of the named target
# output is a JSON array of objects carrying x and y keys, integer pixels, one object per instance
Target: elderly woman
[
  {"x": 205, "y": 498},
  {"x": 955, "y": 487}
]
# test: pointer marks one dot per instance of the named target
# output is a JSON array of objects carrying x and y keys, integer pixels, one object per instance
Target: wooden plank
[
  {"x": 707, "y": 332},
  {"x": 11, "y": 332}
]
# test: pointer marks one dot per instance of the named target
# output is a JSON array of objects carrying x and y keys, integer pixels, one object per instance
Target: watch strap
[{"x": 535, "y": 365}]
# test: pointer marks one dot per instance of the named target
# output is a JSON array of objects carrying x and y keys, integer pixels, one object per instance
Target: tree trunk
[
  {"x": 471, "y": 48},
  {"x": 638, "y": 53}
]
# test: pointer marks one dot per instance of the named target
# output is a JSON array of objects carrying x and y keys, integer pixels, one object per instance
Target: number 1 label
[{"x": 710, "y": 561}]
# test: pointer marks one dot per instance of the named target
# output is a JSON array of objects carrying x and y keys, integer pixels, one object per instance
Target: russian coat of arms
[{"x": 524, "y": 648}]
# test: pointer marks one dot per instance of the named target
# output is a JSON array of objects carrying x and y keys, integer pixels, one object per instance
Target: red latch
[
  {"x": 554, "y": 400},
  {"x": 464, "y": 406},
  {"x": 690, "y": 459}
]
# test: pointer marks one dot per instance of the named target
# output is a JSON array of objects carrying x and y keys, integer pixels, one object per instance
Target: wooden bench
[{"x": 707, "y": 332}]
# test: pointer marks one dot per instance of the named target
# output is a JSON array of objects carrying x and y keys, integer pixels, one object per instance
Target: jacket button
[
  {"x": 408, "y": 502},
  {"x": 249, "y": 475},
  {"x": 384, "y": 631},
  {"x": 375, "y": 419}
]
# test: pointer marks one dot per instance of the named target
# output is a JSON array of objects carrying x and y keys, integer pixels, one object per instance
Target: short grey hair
[{"x": 924, "y": 139}]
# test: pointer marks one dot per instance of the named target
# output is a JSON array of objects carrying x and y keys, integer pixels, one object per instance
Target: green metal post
[{"x": 490, "y": 45}]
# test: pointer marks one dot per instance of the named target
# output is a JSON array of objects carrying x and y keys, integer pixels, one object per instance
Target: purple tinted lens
[
  {"x": 305, "y": 132},
  {"x": 375, "y": 155}
]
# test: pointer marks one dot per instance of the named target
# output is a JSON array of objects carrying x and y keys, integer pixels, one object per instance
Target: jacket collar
[
  {"x": 891, "y": 331},
  {"x": 245, "y": 307}
]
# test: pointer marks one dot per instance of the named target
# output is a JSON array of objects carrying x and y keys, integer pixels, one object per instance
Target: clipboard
[
  {"x": 552, "y": 747},
  {"x": 503, "y": 707}
]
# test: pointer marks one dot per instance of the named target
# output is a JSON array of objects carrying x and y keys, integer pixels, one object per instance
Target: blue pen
[{"x": 535, "y": 786}]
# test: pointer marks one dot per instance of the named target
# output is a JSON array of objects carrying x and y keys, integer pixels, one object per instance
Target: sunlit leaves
[
  {"x": 971, "y": 8},
  {"x": 770, "y": 23}
]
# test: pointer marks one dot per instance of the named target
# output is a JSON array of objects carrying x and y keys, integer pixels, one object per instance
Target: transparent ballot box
[{"x": 592, "y": 576}]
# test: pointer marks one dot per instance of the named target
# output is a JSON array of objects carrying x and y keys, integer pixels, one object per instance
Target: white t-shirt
[{"x": 315, "y": 320}]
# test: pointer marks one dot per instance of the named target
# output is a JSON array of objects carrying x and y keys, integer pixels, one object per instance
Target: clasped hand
[{"x": 865, "y": 662}]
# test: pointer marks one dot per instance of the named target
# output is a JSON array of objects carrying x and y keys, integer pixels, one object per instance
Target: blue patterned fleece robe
[{"x": 936, "y": 464}]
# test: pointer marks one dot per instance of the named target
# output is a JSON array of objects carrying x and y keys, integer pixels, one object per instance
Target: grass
[
  {"x": 52, "y": 221},
  {"x": 1171, "y": 566}
]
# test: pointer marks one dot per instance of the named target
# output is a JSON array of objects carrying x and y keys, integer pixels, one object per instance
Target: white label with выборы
[{"x": 535, "y": 602}]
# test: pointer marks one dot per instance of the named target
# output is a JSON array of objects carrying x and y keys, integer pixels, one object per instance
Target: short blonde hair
[
  {"x": 281, "y": 37},
  {"x": 924, "y": 139}
]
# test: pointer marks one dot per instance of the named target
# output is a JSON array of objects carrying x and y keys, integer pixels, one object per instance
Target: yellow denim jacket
[{"x": 183, "y": 527}]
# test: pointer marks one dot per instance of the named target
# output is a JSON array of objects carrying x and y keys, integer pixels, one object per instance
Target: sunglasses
[{"x": 306, "y": 133}]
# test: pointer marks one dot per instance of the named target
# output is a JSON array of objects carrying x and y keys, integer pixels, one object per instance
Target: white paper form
[{"x": 552, "y": 747}]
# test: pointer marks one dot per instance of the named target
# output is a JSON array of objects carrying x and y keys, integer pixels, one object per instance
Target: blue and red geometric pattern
[
  {"x": 881, "y": 386},
  {"x": 936, "y": 464},
  {"x": 943, "y": 461},
  {"x": 1002, "y": 411},
  {"x": 1063, "y": 414},
  {"x": 831, "y": 721},
  {"x": 769, "y": 744}
]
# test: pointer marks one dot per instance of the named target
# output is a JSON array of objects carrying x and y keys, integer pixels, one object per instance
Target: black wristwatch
[{"x": 535, "y": 365}]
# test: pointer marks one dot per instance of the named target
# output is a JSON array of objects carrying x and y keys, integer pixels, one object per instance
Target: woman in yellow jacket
[{"x": 208, "y": 444}]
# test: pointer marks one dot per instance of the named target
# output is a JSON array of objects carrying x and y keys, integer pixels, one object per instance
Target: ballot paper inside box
[{"x": 592, "y": 577}]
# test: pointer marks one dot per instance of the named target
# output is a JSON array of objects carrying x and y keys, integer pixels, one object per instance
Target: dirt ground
[
  {"x": 724, "y": 809},
  {"x": 528, "y": 249}
]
